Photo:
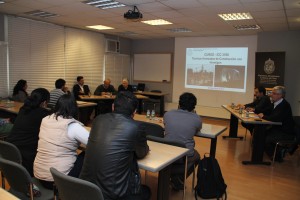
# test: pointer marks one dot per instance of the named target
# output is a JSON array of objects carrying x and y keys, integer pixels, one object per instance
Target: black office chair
[
  {"x": 141, "y": 87},
  {"x": 10, "y": 152},
  {"x": 20, "y": 182},
  {"x": 289, "y": 145},
  {"x": 152, "y": 103},
  {"x": 71, "y": 188},
  {"x": 178, "y": 166},
  {"x": 153, "y": 129}
]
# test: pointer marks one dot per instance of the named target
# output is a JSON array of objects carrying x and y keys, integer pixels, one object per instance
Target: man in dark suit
[
  {"x": 261, "y": 104},
  {"x": 80, "y": 88},
  {"x": 281, "y": 112}
]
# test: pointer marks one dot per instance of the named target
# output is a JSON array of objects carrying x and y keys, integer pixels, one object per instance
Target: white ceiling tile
[{"x": 264, "y": 6}]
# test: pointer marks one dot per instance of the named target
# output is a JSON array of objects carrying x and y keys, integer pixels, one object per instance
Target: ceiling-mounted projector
[{"x": 133, "y": 14}]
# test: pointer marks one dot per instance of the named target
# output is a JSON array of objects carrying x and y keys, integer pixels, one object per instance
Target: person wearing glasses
[{"x": 281, "y": 112}]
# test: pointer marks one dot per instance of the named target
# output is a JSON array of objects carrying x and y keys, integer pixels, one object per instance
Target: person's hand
[
  {"x": 250, "y": 109},
  {"x": 260, "y": 115}
]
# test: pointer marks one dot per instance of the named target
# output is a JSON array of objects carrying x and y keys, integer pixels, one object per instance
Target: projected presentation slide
[{"x": 216, "y": 68}]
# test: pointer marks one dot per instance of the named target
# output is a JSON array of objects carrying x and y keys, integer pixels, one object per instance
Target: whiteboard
[{"x": 152, "y": 67}]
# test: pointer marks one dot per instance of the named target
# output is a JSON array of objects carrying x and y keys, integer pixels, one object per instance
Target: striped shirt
[{"x": 54, "y": 96}]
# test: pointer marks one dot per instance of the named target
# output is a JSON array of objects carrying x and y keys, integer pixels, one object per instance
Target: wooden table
[
  {"x": 156, "y": 95},
  {"x": 5, "y": 195},
  {"x": 97, "y": 98},
  {"x": 258, "y": 133},
  {"x": 210, "y": 131},
  {"x": 159, "y": 159},
  {"x": 12, "y": 108}
]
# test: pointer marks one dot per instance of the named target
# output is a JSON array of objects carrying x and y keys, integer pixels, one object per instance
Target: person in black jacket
[
  {"x": 125, "y": 86},
  {"x": 281, "y": 112},
  {"x": 261, "y": 104},
  {"x": 116, "y": 142},
  {"x": 80, "y": 88}
]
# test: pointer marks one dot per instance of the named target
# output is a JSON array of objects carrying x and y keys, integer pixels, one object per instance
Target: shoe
[
  {"x": 292, "y": 149},
  {"x": 177, "y": 184},
  {"x": 280, "y": 155}
]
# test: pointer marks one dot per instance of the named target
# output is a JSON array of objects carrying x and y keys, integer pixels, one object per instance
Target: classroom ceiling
[{"x": 199, "y": 16}]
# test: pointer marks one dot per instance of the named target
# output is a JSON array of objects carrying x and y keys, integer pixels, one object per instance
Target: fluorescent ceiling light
[
  {"x": 1, "y": 2},
  {"x": 104, "y": 4},
  {"x": 246, "y": 27},
  {"x": 157, "y": 22},
  {"x": 179, "y": 30},
  {"x": 235, "y": 16},
  {"x": 40, "y": 13},
  {"x": 100, "y": 27}
]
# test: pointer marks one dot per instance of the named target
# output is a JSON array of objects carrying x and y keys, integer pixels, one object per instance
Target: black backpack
[{"x": 210, "y": 182}]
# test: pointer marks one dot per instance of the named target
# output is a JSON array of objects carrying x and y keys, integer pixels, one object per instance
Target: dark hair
[
  {"x": 20, "y": 86},
  {"x": 59, "y": 83},
  {"x": 187, "y": 101},
  {"x": 37, "y": 96},
  {"x": 66, "y": 107},
  {"x": 125, "y": 103},
  {"x": 261, "y": 89},
  {"x": 79, "y": 78}
]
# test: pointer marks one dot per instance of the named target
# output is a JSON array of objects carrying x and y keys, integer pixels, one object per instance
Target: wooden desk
[
  {"x": 5, "y": 195},
  {"x": 12, "y": 109},
  {"x": 97, "y": 98},
  {"x": 210, "y": 131},
  {"x": 258, "y": 133},
  {"x": 156, "y": 95},
  {"x": 159, "y": 159}
]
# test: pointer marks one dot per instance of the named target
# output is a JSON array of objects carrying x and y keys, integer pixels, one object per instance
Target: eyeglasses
[{"x": 276, "y": 93}]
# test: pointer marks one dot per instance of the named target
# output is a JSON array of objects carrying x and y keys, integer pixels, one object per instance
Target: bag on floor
[{"x": 210, "y": 182}]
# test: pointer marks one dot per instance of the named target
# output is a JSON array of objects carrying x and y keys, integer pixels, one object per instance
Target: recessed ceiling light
[
  {"x": 180, "y": 30},
  {"x": 157, "y": 22},
  {"x": 1, "y": 2},
  {"x": 100, "y": 27},
  {"x": 104, "y": 4},
  {"x": 246, "y": 27},
  {"x": 235, "y": 16},
  {"x": 40, "y": 13}
]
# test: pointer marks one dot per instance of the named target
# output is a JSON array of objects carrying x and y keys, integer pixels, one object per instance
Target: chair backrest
[
  {"x": 153, "y": 129},
  {"x": 70, "y": 188},
  {"x": 10, "y": 152},
  {"x": 16, "y": 175},
  {"x": 141, "y": 86}
]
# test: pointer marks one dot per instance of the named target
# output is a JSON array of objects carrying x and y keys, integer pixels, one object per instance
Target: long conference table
[
  {"x": 97, "y": 98},
  {"x": 258, "y": 133},
  {"x": 209, "y": 131},
  {"x": 11, "y": 109}
]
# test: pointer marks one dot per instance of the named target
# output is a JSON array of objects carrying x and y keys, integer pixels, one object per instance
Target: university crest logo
[{"x": 269, "y": 67}]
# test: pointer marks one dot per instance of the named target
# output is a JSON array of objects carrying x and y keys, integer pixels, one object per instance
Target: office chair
[
  {"x": 153, "y": 129},
  {"x": 177, "y": 166},
  {"x": 21, "y": 184},
  {"x": 153, "y": 103},
  {"x": 288, "y": 144},
  {"x": 71, "y": 188},
  {"x": 10, "y": 152}
]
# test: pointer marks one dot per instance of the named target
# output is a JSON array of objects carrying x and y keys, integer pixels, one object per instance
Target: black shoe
[
  {"x": 280, "y": 155},
  {"x": 177, "y": 184},
  {"x": 292, "y": 149}
]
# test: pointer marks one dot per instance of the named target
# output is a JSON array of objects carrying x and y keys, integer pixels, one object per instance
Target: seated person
[
  {"x": 281, "y": 112},
  {"x": 80, "y": 88},
  {"x": 181, "y": 125},
  {"x": 261, "y": 104},
  {"x": 59, "y": 138},
  {"x": 105, "y": 88},
  {"x": 116, "y": 142},
  {"x": 60, "y": 89},
  {"x": 25, "y": 132},
  {"x": 19, "y": 92},
  {"x": 5, "y": 127},
  {"x": 125, "y": 86}
]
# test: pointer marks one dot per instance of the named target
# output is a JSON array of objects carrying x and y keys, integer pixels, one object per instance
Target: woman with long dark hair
[
  {"x": 19, "y": 92},
  {"x": 60, "y": 136},
  {"x": 25, "y": 132}
]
